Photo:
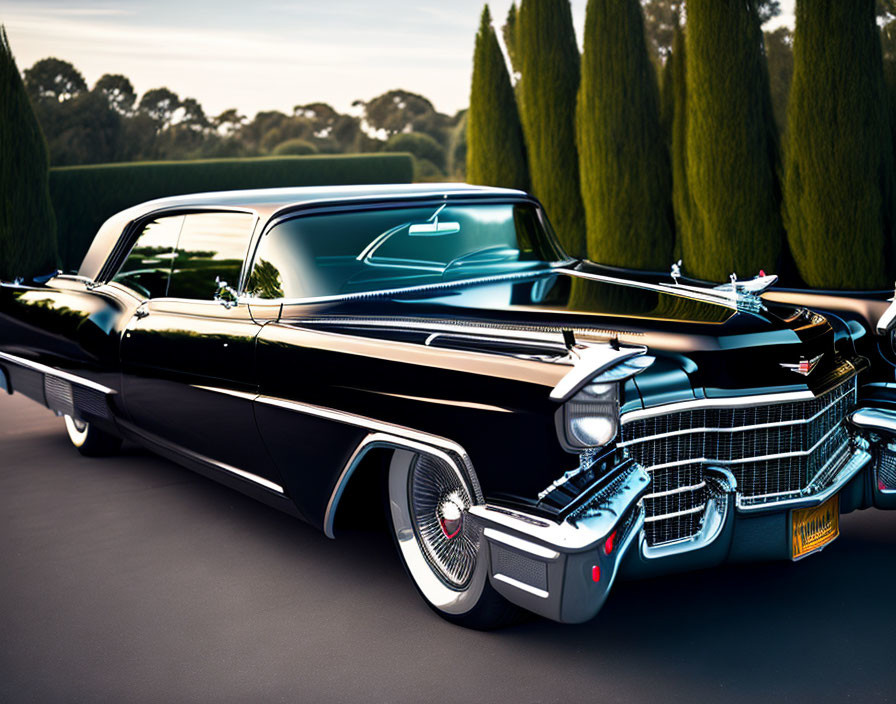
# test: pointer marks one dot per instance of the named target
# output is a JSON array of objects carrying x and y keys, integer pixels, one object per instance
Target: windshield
[{"x": 375, "y": 250}]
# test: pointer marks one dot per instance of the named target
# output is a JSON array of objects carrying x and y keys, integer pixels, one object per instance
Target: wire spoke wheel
[{"x": 439, "y": 502}]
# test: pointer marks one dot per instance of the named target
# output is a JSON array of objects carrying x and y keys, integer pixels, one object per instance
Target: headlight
[{"x": 591, "y": 417}]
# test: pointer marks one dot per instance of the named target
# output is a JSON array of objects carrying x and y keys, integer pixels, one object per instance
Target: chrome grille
[
  {"x": 886, "y": 470},
  {"x": 774, "y": 451}
]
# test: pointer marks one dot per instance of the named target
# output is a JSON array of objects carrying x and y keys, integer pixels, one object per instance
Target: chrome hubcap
[{"x": 439, "y": 505}]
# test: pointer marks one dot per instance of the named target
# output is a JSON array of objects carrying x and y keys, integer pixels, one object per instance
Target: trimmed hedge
[{"x": 85, "y": 196}]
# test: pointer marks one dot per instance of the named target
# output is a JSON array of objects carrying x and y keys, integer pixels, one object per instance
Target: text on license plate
[{"x": 813, "y": 528}]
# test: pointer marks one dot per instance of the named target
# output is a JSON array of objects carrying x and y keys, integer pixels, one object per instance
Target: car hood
[{"x": 704, "y": 344}]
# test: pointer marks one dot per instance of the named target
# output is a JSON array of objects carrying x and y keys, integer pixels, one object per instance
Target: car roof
[{"x": 267, "y": 202}]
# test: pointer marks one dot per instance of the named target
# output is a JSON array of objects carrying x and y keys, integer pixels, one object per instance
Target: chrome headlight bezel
[{"x": 589, "y": 420}]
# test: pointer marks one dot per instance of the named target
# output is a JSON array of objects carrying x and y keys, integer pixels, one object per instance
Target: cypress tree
[
  {"x": 676, "y": 87},
  {"x": 732, "y": 151},
  {"x": 509, "y": 31},
  {"x": 548, "y": 59},
  {"x": 27, "y": 223},
  {"x": 623, "y": 161},
  {"x": 839, "y": 205},
  {"x": 496, "y": 155}
]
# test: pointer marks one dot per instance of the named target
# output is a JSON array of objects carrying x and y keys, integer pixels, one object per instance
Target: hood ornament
[
  {"x": 741, "y": 295},
  {"x": 805, "y": 366}
]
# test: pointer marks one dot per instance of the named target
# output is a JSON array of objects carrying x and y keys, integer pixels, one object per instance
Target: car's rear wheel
[
  {"x": 439, "y": 544},
  {"x": 90, "y": 440}
]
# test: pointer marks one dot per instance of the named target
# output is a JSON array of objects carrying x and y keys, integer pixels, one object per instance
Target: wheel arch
[{"x": 377, "y": 447}]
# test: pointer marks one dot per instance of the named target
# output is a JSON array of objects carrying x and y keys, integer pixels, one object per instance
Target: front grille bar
[{"x": 675, "y": 514}]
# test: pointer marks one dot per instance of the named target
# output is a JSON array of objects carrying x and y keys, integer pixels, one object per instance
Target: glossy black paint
[{"x": 185, "y": 374}]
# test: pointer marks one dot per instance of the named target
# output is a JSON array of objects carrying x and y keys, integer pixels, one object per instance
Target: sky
[{"x": 266, "y": 54}]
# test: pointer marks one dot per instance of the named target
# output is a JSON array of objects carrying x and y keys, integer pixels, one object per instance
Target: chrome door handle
[{"x": 141, "y": 311}]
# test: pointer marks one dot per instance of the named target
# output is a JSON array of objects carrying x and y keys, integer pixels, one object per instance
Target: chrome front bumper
[{"x": 564, "y": 571}]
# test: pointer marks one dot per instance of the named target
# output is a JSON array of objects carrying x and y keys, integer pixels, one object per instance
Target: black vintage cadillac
[{"x": 533, "y": 426}]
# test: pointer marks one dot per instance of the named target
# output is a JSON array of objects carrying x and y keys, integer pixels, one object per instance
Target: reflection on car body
[{"x": 540, "y": 425}]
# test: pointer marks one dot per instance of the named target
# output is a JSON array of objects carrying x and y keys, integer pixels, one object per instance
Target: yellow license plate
[{"x": 813, "y": 528}]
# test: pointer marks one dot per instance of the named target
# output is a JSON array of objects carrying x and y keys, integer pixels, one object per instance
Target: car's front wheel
[
  {"x": 90, "y": 440},
  {"x": 438, "y": 543}
]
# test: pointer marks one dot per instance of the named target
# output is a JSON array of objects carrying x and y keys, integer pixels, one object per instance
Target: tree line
[
  {"x": 685, "y": 131},
  {"x": 110, "y": 123}
]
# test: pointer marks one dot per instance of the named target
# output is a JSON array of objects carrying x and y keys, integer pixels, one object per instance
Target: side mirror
[{"x": 225, "y": 294}]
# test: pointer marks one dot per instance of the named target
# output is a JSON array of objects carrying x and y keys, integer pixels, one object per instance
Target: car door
[{"x": 188, "y": 360}]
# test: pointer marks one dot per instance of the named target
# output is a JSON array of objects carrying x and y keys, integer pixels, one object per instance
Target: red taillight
[
  {"x": 881, "y": 485},
  {"x": 610, "y": 543},
  {"x": 595, "y": 573}
]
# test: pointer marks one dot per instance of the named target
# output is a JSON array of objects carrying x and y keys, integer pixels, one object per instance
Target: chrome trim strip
[
  {"x": 853, "y": 465},
  {"x": 389, "y": 441},
  {"x": 520, "y": 544},
  {"x": 747, "y": 460},
  {"x": 44, "y": 369},
  {"x": 566, "y": 537},
  {"x": 742, "y": 428},
  {"x": 713, "y": 524},
  {"x": 726, "y": 402},
  {"x": 676, "y": 514},
  {"x": 383, "y": 435},
  {"x": 208, "y": 461},
  {"x": 879, "y": 419},
  {"x": 521, "y": 585},
  {"x": 717, "y": 509},
  {"x": 722, "y": 299},
  {"x": 679, "y": 490},
  {"x": 423, "y": 288}
]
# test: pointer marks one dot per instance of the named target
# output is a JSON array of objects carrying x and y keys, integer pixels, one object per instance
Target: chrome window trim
[
  {"x": 44, "y": 369},
  {"x": 422, "y": 288}
]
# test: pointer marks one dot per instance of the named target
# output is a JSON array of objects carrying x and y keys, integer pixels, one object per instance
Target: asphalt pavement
[{"x": 131, "y": 579}]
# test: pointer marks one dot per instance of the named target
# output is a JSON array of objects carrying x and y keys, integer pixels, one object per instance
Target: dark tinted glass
[
  {"x": 148, "y": 266},
  {"x": 211, "y": 245},
  {"x": 352, "y": 252}
]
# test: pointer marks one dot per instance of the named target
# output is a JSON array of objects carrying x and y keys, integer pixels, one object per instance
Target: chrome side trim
[
  {"x": 878, "y": 419},
  {"x": 521, "y": 585},
  {"x": 376, "y": 426},
  {"x": 208, "y": 461},
  {"x": 520, "y": 544},
  {"x": 44, "y": 369}
]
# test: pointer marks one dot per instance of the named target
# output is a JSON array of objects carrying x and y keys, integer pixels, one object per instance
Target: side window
[
  {"x": 211, "y": 245},
  {"x": 148, "y": 266}
]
